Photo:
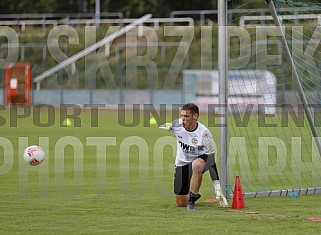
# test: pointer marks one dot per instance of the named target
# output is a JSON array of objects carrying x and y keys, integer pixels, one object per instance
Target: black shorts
[{"x": 182, "y": 177}]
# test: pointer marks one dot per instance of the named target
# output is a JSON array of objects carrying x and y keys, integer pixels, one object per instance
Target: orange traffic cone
[{"x": 238, "y": 200}]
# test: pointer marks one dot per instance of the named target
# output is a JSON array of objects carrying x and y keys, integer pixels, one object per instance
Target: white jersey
[{"x": 191, "y": 144}]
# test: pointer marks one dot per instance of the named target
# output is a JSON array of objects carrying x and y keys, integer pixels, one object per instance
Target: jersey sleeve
[
  {"x": 208, "y": 142},
  {"x": 171, "y": 126},
  {"x": 176, "y": 123}
]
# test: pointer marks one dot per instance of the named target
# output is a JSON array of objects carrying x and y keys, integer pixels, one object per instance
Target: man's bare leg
[{"x": 196, "y": 180}]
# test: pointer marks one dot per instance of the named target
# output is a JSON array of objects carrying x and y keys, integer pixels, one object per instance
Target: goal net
[
  {"x": 277, "y": 152},
  {"x": 246, "y": 88}
]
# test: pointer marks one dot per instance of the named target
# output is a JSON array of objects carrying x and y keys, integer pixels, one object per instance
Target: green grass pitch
[{"x": 124, "y": 187}]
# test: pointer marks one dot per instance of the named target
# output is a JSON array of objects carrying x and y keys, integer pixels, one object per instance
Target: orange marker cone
[{"x": 238, "y": 200}]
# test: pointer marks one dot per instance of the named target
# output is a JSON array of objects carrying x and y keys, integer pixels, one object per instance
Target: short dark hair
[{"x": 191, "y": 107}]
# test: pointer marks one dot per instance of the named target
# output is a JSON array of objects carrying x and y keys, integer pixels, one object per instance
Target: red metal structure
[{"x": 18, "y": 83}]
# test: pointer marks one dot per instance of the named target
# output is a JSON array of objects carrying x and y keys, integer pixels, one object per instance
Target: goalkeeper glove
[
  {"x": 166, "y": 126},
  {"x": 222, "y": 200},
  {"x": 219, "y": 195}
]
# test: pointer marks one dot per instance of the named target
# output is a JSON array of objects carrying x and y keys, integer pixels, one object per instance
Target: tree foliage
[{"x": 130, "y": 8}]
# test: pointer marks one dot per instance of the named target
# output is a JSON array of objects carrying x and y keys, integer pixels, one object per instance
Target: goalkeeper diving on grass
[{"x": 194, "y": 156}]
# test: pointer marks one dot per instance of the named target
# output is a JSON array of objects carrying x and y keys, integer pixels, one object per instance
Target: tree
[
  {"x": 23, "y": 7},
  {"x": 130, "y": 8},
  {"x": 71, "y": 6}
]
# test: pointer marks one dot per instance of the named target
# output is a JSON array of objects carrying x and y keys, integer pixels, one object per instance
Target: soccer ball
[{"x": 34, "y": 155}]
